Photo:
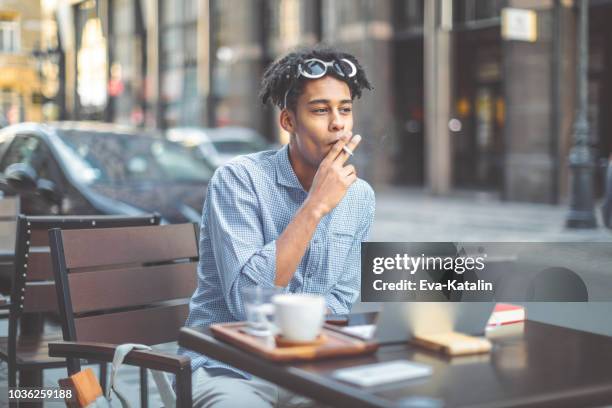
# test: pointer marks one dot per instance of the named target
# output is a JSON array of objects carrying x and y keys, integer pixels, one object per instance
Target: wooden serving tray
[{"x": 335, "y": 344}]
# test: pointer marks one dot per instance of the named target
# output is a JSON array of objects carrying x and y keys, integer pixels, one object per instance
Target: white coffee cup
[{"x": 299, "y": 317}]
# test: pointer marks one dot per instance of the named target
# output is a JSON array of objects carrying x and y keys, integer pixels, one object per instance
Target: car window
[
  {"x": 46, "y": 165},
  {"x": 32, "y": 151},
  {"x": 111, "y": 158},
  {"x": 22, "y": 150}
]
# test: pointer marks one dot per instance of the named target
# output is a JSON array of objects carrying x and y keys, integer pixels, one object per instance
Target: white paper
[{"x": 381, "y": 373}]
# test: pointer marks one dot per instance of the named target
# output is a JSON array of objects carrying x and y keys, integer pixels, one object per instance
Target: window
[
  {"x": 116, "y": 158},
  {"x": 469, "y": 11},
  {"x": 22, "y": 150},
  {"x": 410, "y": 14},
  {"x": 179, "y": 56},
  {"x": 9, "y": 36},
  {"x": 349, "y": 12},
  {"x": 126, "y": 61}
]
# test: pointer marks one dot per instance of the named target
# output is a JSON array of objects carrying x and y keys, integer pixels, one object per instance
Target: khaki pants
[{"x": 222, "y": 391}]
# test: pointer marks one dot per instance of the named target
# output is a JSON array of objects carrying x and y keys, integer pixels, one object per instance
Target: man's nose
[{"x": 337, "y": 122}]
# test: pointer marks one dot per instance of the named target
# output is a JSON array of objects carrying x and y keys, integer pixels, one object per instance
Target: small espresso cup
[{"x": 299, "y": 317}]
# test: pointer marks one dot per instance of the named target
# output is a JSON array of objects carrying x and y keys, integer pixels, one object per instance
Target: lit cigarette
[{"x": 347, "y": 150}]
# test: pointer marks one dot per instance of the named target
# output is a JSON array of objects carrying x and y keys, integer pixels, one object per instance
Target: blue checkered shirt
[{"x": 250, "y": 202}]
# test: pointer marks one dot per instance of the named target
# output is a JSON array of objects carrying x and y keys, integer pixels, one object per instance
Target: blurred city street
[{"x": 412, "y": 215}]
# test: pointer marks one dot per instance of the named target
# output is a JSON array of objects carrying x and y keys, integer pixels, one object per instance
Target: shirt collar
[{"x": 284, "y": 171}]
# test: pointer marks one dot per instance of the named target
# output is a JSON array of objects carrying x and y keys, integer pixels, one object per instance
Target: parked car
[
  {"x": 94, "y": 168},
  {"x": 219, "y": 145}
]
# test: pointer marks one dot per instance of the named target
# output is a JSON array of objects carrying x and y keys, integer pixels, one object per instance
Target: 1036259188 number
[{"x": 39, "y": 394}]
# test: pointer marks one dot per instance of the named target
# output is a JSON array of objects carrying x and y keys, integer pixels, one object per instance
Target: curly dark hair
[{"x": 282, "y": 75}]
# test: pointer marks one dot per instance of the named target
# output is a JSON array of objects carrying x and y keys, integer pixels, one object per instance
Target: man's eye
[
  {"x": 346, "y": 110},
  {"x": 321, "y": 110}
]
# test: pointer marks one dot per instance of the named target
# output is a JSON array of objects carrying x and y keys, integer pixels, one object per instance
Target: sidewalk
[{"x": 413, "y": 215}]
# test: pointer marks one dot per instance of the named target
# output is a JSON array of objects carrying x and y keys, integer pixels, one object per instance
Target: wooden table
[{"x": 532, "y": 364}]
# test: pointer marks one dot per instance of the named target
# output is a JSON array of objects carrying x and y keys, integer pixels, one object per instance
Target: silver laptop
[{"x": 400, "y": 321}]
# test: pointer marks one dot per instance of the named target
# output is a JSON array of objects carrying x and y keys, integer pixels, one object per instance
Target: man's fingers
[
  {"x": 335, "y": 150},
  {"x": 348, "y": 170},
  {"x": 351, "y": 179},
  {"x": 351, "y": 146}
]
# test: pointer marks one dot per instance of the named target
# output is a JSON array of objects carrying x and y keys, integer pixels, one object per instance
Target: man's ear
[{"x": 287, "y": 121}]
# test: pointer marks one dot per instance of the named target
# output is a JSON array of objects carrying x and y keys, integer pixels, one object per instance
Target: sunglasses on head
[{"x": 314, "y": 68}]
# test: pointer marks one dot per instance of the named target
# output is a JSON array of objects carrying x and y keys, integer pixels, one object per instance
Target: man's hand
[
  {"x": 329, "y": 185},
  {"x": 333, "y": 178}
]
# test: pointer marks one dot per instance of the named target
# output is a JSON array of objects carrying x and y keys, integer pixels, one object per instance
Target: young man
[{"x": 293, "y": 218}]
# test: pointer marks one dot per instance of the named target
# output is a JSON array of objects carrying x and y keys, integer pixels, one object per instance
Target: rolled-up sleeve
[
  {"x": 346, "y": 291},
  {"x": 234, "y": 226}
]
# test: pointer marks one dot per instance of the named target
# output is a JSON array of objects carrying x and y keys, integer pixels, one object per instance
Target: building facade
[
  {"x": 20, "y": 87},
  {"x": 456, "y": 105}
]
